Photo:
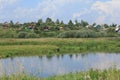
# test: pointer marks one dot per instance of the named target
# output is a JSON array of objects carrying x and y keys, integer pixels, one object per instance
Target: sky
[{"x": 99, "y": 11}]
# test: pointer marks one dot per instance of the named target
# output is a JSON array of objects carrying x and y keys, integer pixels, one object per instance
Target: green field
[{"x": 51, "y": 46}]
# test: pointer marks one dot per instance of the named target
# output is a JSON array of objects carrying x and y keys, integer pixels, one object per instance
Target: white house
[{"x": 117, "y": 29}]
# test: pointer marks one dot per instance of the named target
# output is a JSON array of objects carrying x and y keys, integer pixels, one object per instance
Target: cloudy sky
[{"x": 100, "y": 11}]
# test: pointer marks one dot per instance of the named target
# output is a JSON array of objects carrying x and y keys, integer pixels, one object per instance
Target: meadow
[{"x": 50, "y": 46}]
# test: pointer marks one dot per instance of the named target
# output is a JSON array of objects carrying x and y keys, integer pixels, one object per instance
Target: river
[{"x": 46, "y": 66}]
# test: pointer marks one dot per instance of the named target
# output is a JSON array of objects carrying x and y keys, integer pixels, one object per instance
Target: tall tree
[
  {"x": 57, "y": 22},
  {"x": 62, "y": 24},
  {"x": 49, "y": 22},
  {"x": 84, "y": 23},
  {"x": 39, "y": 23},
  {"x": 70, "y": 24},
  {"x": 77, "y": 24},
  {"x": 11, "y": 24},
  {"x": 94, "y": 24},
  {"x": 106, "y": 25}
]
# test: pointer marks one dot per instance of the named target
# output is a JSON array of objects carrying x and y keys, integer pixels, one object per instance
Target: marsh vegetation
[{"x": 51, "y": 46}]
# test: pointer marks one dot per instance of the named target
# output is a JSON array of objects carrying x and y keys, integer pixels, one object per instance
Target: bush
[
  {"x": 49, "y": 34},
  {"x": 32, "y": 35},
  {"x": 22, "y": 34},
  {"x": 7, "y": 33},
  {"x": 83, "y": 34}
]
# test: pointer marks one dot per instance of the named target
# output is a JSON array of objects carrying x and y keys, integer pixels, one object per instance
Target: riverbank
[
  {"x": 51, "y": 46},
  {"x": 110, "y": 74}
]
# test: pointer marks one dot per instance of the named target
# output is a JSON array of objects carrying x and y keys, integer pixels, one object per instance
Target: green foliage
[
  {"x": 32, "y": 35},
  {"x": 110, "y": 74},
  {"x": 81, "y": 34},
  {"x": 19, "y": 77},
  {"x": 51, "y": 46},
  {"x": 84, "y": 23},
  {"x": 7, "y": 33},
  {"x": 69, "y": 30},
  {"x": 85, "y": 34},
  {"x": 49, "y": 34},
  {"x": 22, "y": 34},
  {"x": 70, "y": 24}
]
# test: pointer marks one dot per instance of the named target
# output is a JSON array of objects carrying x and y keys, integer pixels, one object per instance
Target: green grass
[
  {"x": 110, "y": 74},
  {"x": 19, "y": 77},
  {"x": 51, "y": 46}
]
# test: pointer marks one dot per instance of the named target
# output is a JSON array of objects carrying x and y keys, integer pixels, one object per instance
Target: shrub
[
  {"x": 32, "y": 35},
  {"x": 7, "y": 33},
  {"x": 22, "y": 34},
  {"x": 49, "y": 34},
  {"x": 83, "y": 34}
]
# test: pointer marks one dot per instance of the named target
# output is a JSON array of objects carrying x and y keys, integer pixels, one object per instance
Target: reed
[{"x": 110, "y": 74}]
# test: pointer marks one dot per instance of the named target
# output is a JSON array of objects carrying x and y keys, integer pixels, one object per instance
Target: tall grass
[
  {"x": 7, "y": 33},
  {"x": 19, "y": 77},
  {"x": 85, "y": 34},
  {"x": 110, "y": 74},
  {"x": 26, "y": 50}
]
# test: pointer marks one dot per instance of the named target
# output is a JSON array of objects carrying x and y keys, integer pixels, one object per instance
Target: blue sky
[{"x": 99, "y": 11}]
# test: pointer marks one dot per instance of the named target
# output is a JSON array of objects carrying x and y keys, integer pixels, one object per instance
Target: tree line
[{"x": 50, "y": 28}]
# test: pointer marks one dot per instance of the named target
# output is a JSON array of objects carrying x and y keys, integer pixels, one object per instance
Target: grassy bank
[
  {"x": 19, "y": 77},
  {"x": 110, "y": 74},
  {"x": 51, "y": 46}
]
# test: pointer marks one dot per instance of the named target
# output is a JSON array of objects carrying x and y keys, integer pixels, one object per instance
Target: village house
[
  {"x": 61, "y": 28},
  {"x": 117, "y": 29},
  {"x": 46, "y": 28},
  {"x": 32, "y": 25},
  {"x": 5, "y": 25}
]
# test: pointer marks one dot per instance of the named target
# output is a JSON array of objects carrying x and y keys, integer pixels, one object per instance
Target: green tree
[
  {"x": 70, "y": 24},
  {"x": 39, "y": 23},
  {"x": 11, "y": 24},
  {"x": 106, "y": 25},
  {"x": 57, "y": 22},
  {"x": 84, "y": 23},
  {"x": 77, "y": 24},
  {"x": 50, "y": 23},
  {"x": 94, "y": 24},
  {"x": 62, "y": 24}
]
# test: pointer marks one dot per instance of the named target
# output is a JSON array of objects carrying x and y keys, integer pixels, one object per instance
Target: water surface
[{"x": 59, "y": 64}]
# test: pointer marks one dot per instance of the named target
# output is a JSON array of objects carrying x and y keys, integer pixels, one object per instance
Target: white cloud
[
  {"x": 100, "y": 19},
  {"x": 104, "y": 12},
  {"x": 98, "y": 11},
  {"x": 79, "y": 14},
  {"x": 111, "y": 10},
  {"x": 54, "y": 7},
  {"x": 4, "y": 3},
  {"x": 46, "y": 8}
]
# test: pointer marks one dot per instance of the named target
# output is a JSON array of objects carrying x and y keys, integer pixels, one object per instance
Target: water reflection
[{"x": 44, "y": 66}]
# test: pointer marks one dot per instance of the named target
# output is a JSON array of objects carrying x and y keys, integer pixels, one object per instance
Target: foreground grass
[
  {"x": 51, "y": 46},
  {"x": 19, "y": 77},
  {"x": 110, "y": 74}
]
